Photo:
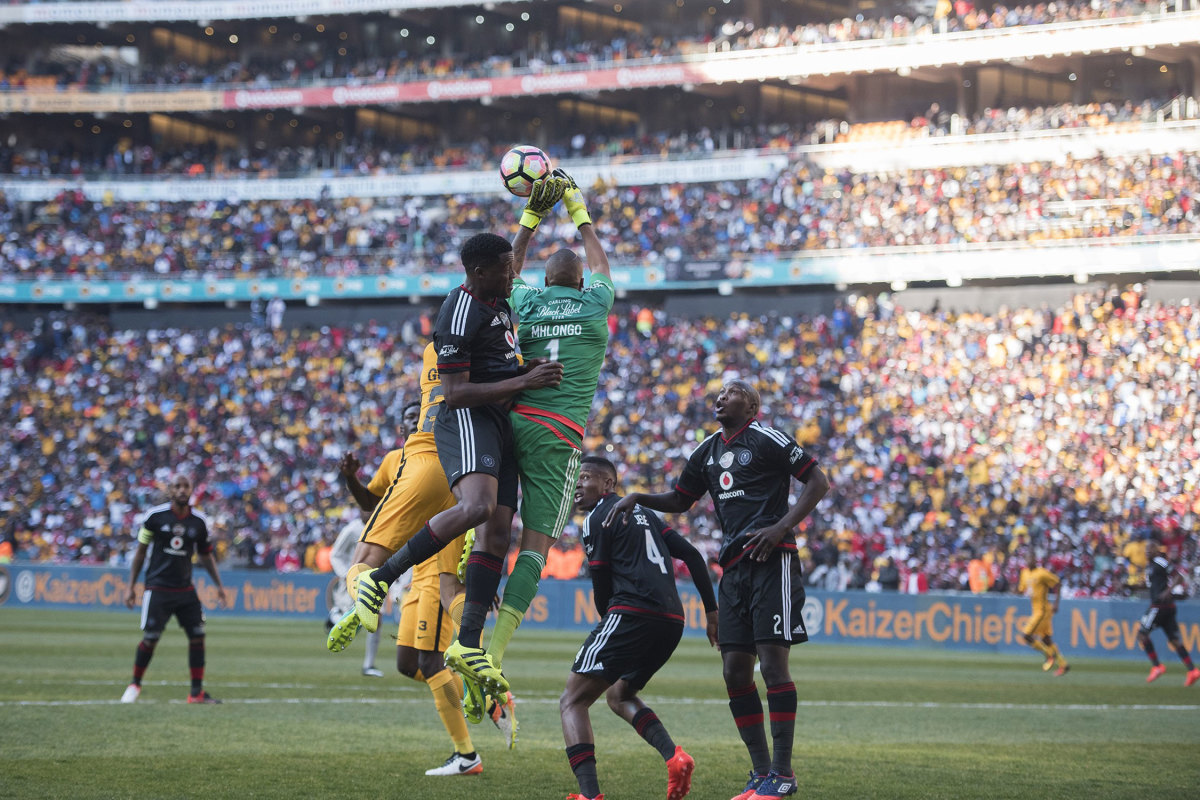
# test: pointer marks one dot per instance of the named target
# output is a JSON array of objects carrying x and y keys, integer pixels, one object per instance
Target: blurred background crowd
[
  {"x": 953, "y": 439},
  {"x": 804, "y": 207}
]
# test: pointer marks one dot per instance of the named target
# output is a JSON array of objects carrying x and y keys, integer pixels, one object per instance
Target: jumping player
[
  {"x": 565, "y": 322},
  {"x": 171, "y": 534},
  {"x": 641, "y": 623},
  {"x": 480, "y": 373},
  {"x": 1038, "y": 583},
  {"x": 747, "y": 468},
  {"x": 1160, "y": 579}
]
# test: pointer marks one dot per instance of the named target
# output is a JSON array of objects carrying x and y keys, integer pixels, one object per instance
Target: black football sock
[
  {"x": 1182, "y": 652},
  {"x": 196, "y": 663},
  {"x": 483, "y": 580},
  {"x": 583, "y": 764},
  {"x": 747, "y": 711},
  {"x": 419, "y": 548},
  {"x": 141, "y": 660},
  {"x": 648, "y": 726},
  {"x": 781, "y": 702},
  {"x": 1150, "y": 652}
]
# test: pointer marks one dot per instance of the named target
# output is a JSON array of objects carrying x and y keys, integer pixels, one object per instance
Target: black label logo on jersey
[
  {"x": 726, "y": 479},
  {"x": 797, "y": 454},
  {"x": 726, "y": 460},
  {"x": 744, "y": 457},
  {"x": 448, "y": 350}
]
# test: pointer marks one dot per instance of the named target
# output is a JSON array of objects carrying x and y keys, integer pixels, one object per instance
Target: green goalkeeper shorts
[{"x": 548, "y": 465}]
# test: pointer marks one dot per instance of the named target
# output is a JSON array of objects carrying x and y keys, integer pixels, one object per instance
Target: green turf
[{"x": 299, "y": 722}]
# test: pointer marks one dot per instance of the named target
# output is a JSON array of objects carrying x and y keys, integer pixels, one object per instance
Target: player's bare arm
[
  {"x": 459, "y": 392},
  {"x": 348, "y": 468},
  {"x": 671, "y": 502},
  {"x": 210, "y": 565},
  {"x": 135, "y": 569},
  {"x": 763, "y": 541}
]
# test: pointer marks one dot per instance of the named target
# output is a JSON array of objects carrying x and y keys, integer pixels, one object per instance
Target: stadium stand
[
  {"x": 933, "y": 426},
  {"x": 771, "y": 143}
]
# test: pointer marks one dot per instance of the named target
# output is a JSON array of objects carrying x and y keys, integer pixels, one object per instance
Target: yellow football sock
[
  {"x": 1042, "y": 648},
  {"x": 352, "y": 578},
  {"x": 447, "y": 696},
  {"x": 456, "y": 608}
]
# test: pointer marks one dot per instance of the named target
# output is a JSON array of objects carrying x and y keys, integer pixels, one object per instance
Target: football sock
[
  {"x": 1182, "y": 651},
  {"x": 781, "y": 702},
  {"x": 423, "y": 545},
  {"x": 1150, "y": 652},
  {"x": 447, "y": 697},
  {"x": 141, "y": 659},
  {"x": 372, "y": 648},
  {"x": 583, "y": 763},
  {"x": 1042, "y": 648},
  {"x": 483, "y": 579},
  {"x": 519, "y": 592},
  {"x": 196, "y": 663},
  {"x": 352, "y": 578},
  {"x": 747, "y": 710},
  {"x": 648, "y": 726},
  {"x": 456, "y": 608},
  {"x": 1053, "y": 648}
]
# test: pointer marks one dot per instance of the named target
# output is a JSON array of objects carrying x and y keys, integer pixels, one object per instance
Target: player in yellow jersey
[
  {"x": 1039, "y": 583},
  {"x": 408, "y": 489}
]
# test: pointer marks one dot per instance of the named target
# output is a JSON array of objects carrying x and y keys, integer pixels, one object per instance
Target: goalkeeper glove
[
  {"x": 544, "y": 195},
  {"x": 573, "y": 199}
]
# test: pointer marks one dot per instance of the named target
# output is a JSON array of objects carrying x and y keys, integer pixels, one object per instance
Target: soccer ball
[{"x": 521, "y": 166}]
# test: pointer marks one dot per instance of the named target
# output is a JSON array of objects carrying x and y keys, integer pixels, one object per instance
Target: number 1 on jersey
[{"x": 552, "y": 349}]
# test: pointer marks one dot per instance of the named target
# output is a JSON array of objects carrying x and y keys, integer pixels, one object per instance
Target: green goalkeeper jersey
[{"x": 567, "y": 325}]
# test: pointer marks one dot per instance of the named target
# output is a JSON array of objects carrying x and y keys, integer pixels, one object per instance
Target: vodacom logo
[{"x": 439, "y": 89}]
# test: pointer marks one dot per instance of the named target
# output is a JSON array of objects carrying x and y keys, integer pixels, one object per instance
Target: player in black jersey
[
  {"x": 1160, "y": 577},
  {"x": 641, "y": 622},
  {"x": 480, "y": 375},
  {"x": 747, "y": 468},
  {"x": 171, "y": 534}
]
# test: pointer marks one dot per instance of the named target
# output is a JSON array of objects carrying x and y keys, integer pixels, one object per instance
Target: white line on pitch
[{"x": 543, "y": 700}]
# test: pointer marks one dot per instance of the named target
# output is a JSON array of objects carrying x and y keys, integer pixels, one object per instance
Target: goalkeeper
[{"x": 567, "y": 321}]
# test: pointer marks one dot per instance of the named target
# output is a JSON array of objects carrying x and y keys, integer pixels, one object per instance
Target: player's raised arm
[
  {"x": 672, "y": 502},
  {"x": 544, "y": 195},
  {"x": 597, "y": 259}
]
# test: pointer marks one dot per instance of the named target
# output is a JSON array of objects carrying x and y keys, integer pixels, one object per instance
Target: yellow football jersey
[
  {"x": 1037, "y": 583},
  {"x": 386, "y": 474},
  {"x": 431, "y": 402}
]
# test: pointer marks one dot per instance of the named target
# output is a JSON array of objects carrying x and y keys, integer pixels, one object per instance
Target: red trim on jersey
[
  {"x": 807, "y": 467},
  {"x": 558, "y": 434},
  {"x": 738, "y": 432},
  {"x": 188, "y": 588},
  {"x": 781, "y": 546},
  {"x": 527, "y": 411},
  {"x": 675, "y": 617},
  {"x": 683, "y": 491},
  {"x": 455, "y": 365},
  {"x": 597, "y": 563}
]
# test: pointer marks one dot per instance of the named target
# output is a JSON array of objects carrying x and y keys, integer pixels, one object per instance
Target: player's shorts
[
  {"x": 159, "y": 605},
  {"x": 424, "y": 623},
  {"x": 1040, "y": 623},
  {"x": 418, "y": 493},
  {"x": 1163, "y": 618},
  {"x": 628, "y": 646},
  {"x": 762, "y": 602},
  {"x": 478, "y": 440},
  {"x": 548, "y": 462}
]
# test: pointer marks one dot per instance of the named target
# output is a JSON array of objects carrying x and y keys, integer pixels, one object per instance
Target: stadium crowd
[
  {"x": 950, "y": 437},
  {"x": 285, "y": 65},
  {"x": 803, "y": 208},
  {"x": 119, "y": 155}
]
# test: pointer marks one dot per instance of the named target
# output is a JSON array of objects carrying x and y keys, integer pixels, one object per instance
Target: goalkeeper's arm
[{"x": 597, "y": 259}]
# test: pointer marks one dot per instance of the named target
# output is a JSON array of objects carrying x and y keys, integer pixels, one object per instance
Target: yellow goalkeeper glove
[
  {"x": 573, "y": 199},
  {"x": 544, "y": 195}
]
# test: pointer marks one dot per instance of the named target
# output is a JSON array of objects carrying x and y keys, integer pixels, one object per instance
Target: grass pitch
[{"x": 299, "y": 722}]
